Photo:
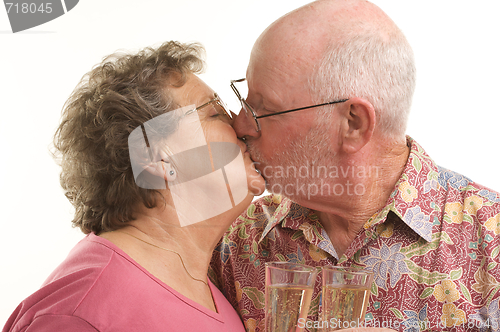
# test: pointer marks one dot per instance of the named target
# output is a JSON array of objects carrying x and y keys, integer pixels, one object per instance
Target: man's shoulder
[
  {"x": 460, "y": 208},
  {"x": 461, "y": 189},
  {"x": 426, "y": 182},
  {"x": 449, "y": 179},
  {"x": 428, "y": 176}
]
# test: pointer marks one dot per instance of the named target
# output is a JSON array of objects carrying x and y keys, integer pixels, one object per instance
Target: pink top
[{"x": 100, "y": 288}]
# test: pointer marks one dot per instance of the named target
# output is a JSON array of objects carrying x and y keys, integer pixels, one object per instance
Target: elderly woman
[{"x": 156, "y": 175}]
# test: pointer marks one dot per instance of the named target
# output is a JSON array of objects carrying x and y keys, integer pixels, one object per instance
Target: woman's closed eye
[{"x": 218, "y": 114}]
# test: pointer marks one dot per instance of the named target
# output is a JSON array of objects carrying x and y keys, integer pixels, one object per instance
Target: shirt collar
[
  {"x": 410, "y": 200},
  {"x": 280, "y": 213}
]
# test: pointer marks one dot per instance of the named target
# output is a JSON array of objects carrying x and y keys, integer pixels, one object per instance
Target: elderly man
[{"x": 329, "y": 92}]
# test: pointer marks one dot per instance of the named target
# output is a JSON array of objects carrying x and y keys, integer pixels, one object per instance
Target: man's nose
[{"x": 243, "y": 126}]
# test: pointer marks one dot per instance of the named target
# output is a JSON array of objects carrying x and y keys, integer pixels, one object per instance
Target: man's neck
[{"x": 370, "y": 186}]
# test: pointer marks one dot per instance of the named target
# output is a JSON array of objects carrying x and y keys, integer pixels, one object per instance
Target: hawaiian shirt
[{"x": 434, "y": 251}]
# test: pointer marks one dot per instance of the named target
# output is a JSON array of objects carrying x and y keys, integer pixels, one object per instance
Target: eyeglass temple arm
[
  {"x": 302, "y": 108},
  {"x": 235, "y": 90}
]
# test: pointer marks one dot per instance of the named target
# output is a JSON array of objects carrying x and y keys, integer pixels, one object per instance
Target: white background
[{"x": 455, "y": 115}]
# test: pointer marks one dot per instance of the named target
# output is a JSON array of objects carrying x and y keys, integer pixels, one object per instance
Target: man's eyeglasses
[{"x": 253, "y": 117}]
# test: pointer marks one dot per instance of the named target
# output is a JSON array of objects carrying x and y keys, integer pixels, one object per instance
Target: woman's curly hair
[{"x": 91, "y": 143}]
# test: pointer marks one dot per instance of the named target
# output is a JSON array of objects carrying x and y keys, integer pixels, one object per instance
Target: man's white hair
[{"x": 375, "y": 66}]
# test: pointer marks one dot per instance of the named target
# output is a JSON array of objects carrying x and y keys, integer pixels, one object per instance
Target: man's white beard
[{"x": 294, "y": 167}]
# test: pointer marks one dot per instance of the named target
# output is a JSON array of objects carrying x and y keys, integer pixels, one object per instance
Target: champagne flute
[
  {"x": 345, "y": 297},
  {"x": 289, "y": 289}
]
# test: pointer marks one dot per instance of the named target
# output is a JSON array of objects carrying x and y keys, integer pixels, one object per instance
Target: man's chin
[{"x": 275, "y": 187}]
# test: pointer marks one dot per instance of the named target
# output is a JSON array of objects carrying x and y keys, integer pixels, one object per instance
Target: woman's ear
[
  {"x": 163, "y": 169},
  {"x": 360, "y": 123},
  {"x": 169, "y": 172}
]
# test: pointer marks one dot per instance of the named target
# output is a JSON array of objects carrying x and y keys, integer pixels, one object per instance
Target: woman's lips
[{"x": 243, "y": 146}]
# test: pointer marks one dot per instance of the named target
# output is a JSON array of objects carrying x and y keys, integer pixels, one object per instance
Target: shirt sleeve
[{"x": 60, "y": 323}]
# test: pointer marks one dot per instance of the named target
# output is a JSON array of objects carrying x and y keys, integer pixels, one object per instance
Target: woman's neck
[
  {"x": 178, "y": 256},
  {"x": 166, "y": 259}
]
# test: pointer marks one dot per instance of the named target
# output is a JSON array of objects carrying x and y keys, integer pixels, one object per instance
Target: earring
[
  {"x": 169, "y": 172},
  {"x": 171, "y": 175}
]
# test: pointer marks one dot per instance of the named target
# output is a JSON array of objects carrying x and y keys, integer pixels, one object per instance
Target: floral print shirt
[{"x": 434, "y": 251}]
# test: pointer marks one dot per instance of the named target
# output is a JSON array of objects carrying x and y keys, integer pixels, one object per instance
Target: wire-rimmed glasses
[{"x": 253, "y": 117}]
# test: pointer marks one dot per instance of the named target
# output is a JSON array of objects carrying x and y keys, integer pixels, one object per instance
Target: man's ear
[{"x": 359, "y": 119}]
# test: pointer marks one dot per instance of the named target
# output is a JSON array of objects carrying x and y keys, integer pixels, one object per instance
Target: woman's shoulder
[
  {"x": 88, "y": 257},
  {"x": 67, "y": 286}
]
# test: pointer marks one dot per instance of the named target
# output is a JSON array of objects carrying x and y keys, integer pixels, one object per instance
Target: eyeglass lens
[{"x": 218, "y": 106}]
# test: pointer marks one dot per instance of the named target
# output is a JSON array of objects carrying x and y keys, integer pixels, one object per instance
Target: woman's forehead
[{"x": 194, "y": 91}]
